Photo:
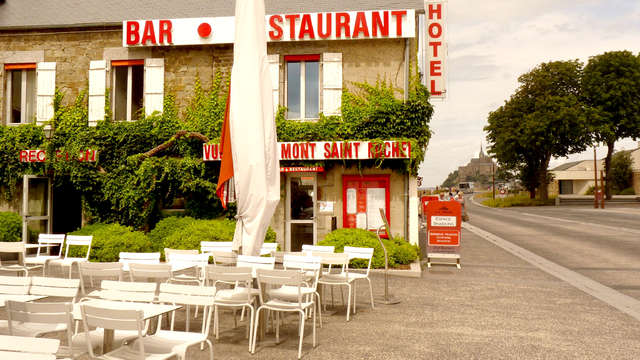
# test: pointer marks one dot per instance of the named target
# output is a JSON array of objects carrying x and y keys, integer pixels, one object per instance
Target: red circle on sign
[{"x": 204, "y": 30}]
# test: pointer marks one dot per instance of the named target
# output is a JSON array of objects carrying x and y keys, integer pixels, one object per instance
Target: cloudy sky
[{"x": 492, "y": 42}]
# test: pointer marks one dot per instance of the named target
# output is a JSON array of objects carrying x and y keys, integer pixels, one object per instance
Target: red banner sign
[
  {"x": 289, "y": 169},
  {"x": 329, "y": 150}
]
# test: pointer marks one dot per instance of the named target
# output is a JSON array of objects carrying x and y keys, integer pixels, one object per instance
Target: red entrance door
[{"x": 362, "y": 198}]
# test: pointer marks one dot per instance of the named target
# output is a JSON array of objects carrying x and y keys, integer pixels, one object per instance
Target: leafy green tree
[
  {"x": 451, "y": 180},
  {"x": 544, "y": 118},
  {"x": 611, "y": 89},
  {"x": 621, "y": 171}
]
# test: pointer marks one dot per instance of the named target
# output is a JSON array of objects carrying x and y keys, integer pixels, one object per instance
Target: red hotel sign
[
  {"x": 343, "y": 25},
  {"x": 443, "y": 223},
  {"x": 326, "y": 150},
  {"x": 436, "y": 47}
]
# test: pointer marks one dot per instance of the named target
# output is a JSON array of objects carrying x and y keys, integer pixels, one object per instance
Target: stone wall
[
  {"x": 636, "y": 182},
  {"x": 73, "y": 49}
]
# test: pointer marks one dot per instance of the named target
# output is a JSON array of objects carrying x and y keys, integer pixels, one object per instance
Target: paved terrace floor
[{"x": 496, "y": 307}]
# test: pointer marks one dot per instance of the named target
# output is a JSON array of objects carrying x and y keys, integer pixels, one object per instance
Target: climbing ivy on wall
[{"x": 148, "y": 164}]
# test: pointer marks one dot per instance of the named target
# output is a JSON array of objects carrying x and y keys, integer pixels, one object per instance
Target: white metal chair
[
  {"x": 318, "y": 248},
  {"x": 127, "y": 258},
  {"x": 179, "y": 341},
  {"x": 271, "y": 301},
  {"x": 256, "y": 262},
  {"x": 90, "y": 271},
  {"x": 194, "y": 262},
  {"x": 310, "y": 267},
  {"x": 20, "y": 347},
  {"x": 358, "y": 274},
  {"x": 15, "y": 285},
  {"x": 18, "y": 266},
  {"x": 238, "y": 294},
  {"x": 37, "y": 319},
  {"x": 46, "y": 241},
  {"x": 338, "y": 275},
  {"x": 224, "y": 258},
  {"x": 148, "y": 272},
  {"x": 123, "y": 320},
  {"x": 67, "y": 288},
  {"x": 207, "y": 247},
  {"x": 67, "y": 261},
  {"x": 268, "y": 248},
  {"x": 118, "y": 291},
  {"x": 126, "y": 291}
]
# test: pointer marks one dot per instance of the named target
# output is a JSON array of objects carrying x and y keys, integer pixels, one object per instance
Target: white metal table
[{"x": 149, "y": 311}]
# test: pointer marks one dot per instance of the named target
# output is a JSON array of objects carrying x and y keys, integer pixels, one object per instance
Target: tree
[
  {"x": 611, "y": 89},
  {"x": 621, "y": 171},
  {"x": 543, "y": 118},
  {"x": 451, "y": 180}
]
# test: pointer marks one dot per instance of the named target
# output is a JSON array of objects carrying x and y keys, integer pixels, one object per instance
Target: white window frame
[
  {"x": 303, "y": 88},
  {"x": 23, "y": 96},
  {"x": 129, "y": 116}
]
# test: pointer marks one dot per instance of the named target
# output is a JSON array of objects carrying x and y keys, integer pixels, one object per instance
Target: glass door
[
  {"x": 36, "y": 207},
  {"x": 301, "y": 210}
]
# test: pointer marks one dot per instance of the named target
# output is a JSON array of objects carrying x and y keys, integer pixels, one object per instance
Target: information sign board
[{"x": 443, "y": 230}]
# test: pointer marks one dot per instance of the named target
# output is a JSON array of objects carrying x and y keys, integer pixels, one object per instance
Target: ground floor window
[{"x": 362, "y": 198}]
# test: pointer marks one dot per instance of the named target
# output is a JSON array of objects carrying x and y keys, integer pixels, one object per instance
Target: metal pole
[
  {"x": 603, "y": 188},
  {"x": 493, "y": 179},
  {"x": 387, "y": 299},
  {"x": 595, "y": 175}
]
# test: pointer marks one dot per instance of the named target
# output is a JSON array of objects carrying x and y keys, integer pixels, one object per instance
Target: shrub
[
  {"x": 403, "y": 252},
  {"x": 10, "y": 226},
  {"x": 518, "y": 200},
  {"x": 628, "y": 191},
  {"x": 109, "y": 240},
  {"x": 167, "y": 227},
  {"x": 399, "y": 251},
  {"x": 196, "y": 231}
]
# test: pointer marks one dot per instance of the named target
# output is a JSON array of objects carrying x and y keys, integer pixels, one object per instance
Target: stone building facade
[{"x": 81, "y": 49}]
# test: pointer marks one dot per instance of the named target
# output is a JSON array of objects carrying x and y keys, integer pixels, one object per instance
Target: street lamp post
[{"x": 493, "y": 179}]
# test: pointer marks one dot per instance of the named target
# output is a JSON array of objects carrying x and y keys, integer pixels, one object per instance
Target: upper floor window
[
  {"x": 127, "y": 86},
  {"x": 303, "y": 86},
  {"x": 20, "y": 93}
]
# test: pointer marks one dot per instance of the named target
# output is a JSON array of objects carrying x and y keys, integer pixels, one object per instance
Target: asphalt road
[{"x": 603, "y": 245}]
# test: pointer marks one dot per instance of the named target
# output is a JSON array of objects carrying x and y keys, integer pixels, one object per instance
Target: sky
[{"x": 492, "y": 42}]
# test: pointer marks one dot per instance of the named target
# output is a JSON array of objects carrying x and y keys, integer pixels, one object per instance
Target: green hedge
[
  {"x": 400, "y": 252},
  {"x": 109, "y": 240},
  {"x": 10, "y": 226},
  {"x": 187, "y": 233}
]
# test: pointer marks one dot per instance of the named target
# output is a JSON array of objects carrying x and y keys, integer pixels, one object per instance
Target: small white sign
[
  {"x": 351, "y": 201},
  {"x": 444, "y": 221},
  {"x": 361, "y": 221},
  {"x": 325, "y": 207}
]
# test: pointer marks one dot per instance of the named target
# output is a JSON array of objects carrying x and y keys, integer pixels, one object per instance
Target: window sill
[
  {"x": 305, "y": 119},
  {"x": 18, "y": 124}
]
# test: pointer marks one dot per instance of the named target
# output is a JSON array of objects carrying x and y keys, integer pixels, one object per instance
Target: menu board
[
  {"x": 351, "y": 201},
  {"x": 376, "y": 200}
]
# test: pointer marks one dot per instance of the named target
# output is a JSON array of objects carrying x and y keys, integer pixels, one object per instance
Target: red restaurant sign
[
  {"x": 344, "y": 25},
  {"x": 327, "y": 150},
  {"x": 443, "y": 223}
]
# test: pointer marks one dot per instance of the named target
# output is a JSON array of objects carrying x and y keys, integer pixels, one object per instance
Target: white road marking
[
  {"x": 613, "y": 228},
  {"x": 620, "y": 301}
]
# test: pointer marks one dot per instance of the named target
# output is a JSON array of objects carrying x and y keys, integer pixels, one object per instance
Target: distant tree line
[{"x": 564, "y": 107}]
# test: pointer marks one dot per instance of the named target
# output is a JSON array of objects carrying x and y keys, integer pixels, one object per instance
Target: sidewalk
[{"x": 496, "y": 307}]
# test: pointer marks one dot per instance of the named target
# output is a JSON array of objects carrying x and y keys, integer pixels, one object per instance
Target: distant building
[
  {"x": 478, "y": 170},
  {"x": 576, "y": 177}
]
